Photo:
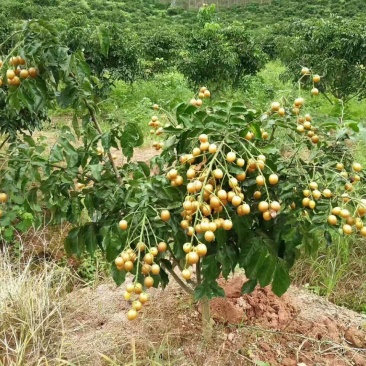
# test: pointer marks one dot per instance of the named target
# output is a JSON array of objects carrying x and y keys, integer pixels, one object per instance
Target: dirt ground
[{"x": 296, "y": 330}]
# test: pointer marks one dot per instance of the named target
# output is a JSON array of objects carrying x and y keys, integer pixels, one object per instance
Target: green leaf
[
  {"x": 265, "y": 272},
  {"x": 118, "y": 276},
  {"x": 96, "y": 171},
  {"x": 249, "y": 286},
  {"x": 75, "y": 125},
  {"x": 210, "y": 268},
  {"x": 281, "y": 279},
  {"x": 104, "y": 40},
  {"x": 209, "y": 290}
]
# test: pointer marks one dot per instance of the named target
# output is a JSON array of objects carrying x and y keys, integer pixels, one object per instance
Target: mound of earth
[
  {"x": 308, "y": 327},
  {"x": 297, "y": 329}
]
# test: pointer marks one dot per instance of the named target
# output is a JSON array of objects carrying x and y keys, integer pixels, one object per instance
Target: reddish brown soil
[
  {"x": 321, "y": 335},
  {"x": 298, "y": 329}
]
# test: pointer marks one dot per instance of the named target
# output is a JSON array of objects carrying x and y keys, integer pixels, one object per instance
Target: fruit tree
[{"x": 233, "y": 188}]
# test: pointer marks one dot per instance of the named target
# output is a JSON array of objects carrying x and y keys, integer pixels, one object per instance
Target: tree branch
[
  {"x": 95, "y": 121},
  {"x": 179, "y": 281},
  {"x": 4, "y": 142}
]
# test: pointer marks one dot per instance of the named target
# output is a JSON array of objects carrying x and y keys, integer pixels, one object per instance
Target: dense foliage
[
  {"x": 335, "y": 48},
  {"x": 223, "y": 194}
]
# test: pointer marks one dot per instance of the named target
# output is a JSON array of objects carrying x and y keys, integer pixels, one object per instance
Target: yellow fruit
[
  {"x": 155, "y": 269},
  {"x": 327, "y": 193},
  {"x": 305, "y": 71},
  {"x": 316, "y": 78},
  {"x": 260, "y": 180},
  {"x": 165, "y": 215},
  {"x": 137, "y": 305},
  {"x": 363, "y": 231},
  {"x": 3, "y": 197},
  {"x": 314, "y": 91},
  {"x": 128, "y": 266},
  {"x": 339, "y": 166},
  {"x": 313, "y": 185},
  {"x": 241, "y": 177},
  {"x": 231, "y": 156},
  {"x": 266, "y": 216},
  {"x": 162, "y": 247},
  {"x": 149, "y": 281},
  {"x": 132, "y": 314},
  {"x": 275, "y": 106},
  {"x": 245, "y": 209},
  {"x": 186, "y": 274},
  {"x": 196, "y": 151},
  {"x": 206, "y": 93},
  {"x": 257, "y": 195},
  {"x": 233, "y": 182},
  {"x": 144, "y": 297},
  {"x": 119, "y": 262},
  {"x": 192, "y": 258},
  {"x": 312, "y": 204},
  {"x": 187, "y": 247},
  {"x": 209, "y": 236},
  {"x": 149, "y": 258},
  {"x": 227, "y": 225},
  {"x": 344, "y": 213},
  {"x": 281, "y": 111},
  {"x": 332, "y": 220},
  {"x": 275, "y": 206},
  {"x": 307, "y": 125},
  {"x": 299, "y": 102},
  {"x": 240, "y": 162},
  {"x": 236, "y": 200},
  {"x": 316, "y": 194},
  {"x": 273, "y": 179},
  {"x": 356, "y": 167},
  {"x": 204, "y": 146},
  {"x": 305, "y": 202},
  {"x": 201, "y": 249},
  {"x": 306, "y": 192},
  {"x": 218, "y": 174},
  {"x": 212, "y": 148},
  {"x": 347, "y": 229},
  {"x": 127, "y": 296},
  {"x": 263, "y": 206}
]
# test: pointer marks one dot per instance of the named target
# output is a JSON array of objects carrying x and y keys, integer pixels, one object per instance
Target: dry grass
[
  {"x": 337, "y": 272},
  {"x": 31, "y": 302}
]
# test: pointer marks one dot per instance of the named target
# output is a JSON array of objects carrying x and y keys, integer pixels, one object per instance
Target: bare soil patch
[{"x": 299, "y": 328}]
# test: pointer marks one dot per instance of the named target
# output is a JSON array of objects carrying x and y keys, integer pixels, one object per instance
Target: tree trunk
[{"x": 206, "y": 319}]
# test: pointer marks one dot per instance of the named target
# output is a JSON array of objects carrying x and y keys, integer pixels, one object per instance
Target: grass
[{"x": 31, "y": 303}]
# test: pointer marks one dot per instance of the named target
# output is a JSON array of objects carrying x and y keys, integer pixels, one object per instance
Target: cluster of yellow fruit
[
  {"x": 303, "y": 122},
  {"x": 206, "y": 195},
  {"x": 143, "y": 257},
  {"x": 203, "y": 93},
  {"x": 156, "y": 129},
  {"x": 155, "y": 124},
  {"x": 18, "y": 72},
  {"x": 313, "y": 194},
  {"x": 3, "y": 200}
]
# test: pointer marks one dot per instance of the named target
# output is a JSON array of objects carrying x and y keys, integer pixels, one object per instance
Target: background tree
[{"x": 336, "y": 48}]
